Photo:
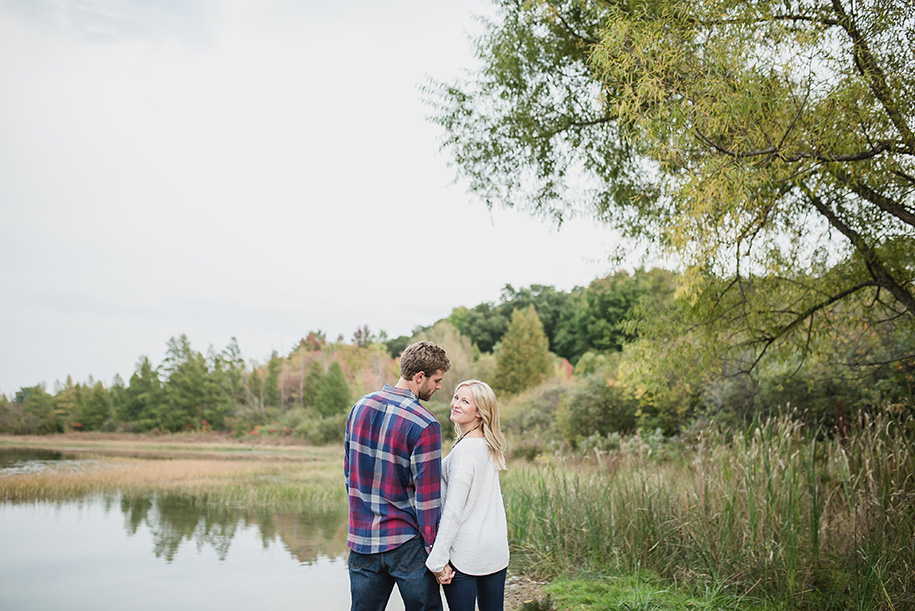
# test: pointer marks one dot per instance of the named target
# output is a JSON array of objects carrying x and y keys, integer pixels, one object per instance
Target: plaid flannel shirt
[{"x": 392, "y": 464}]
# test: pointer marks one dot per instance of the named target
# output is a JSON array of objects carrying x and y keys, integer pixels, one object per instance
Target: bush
[
  {"x": 596, "y": 406},
  {"x": 322, "y": 431}
]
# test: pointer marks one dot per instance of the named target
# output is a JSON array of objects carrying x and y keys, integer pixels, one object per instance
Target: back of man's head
[{"x": 425, "y": 357}]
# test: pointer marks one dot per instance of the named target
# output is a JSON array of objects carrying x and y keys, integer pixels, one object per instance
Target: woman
[{"x": 470, "y": 553}]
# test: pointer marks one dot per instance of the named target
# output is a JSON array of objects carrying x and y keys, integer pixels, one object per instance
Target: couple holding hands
[{"x": 417, "y": 520}]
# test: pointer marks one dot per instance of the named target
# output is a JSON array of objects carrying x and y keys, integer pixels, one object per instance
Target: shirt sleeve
[
  {"x": 426, "y": 464},
  {"x": 459, "y": 485}
]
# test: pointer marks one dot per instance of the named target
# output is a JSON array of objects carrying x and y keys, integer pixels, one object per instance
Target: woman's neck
[{"x": 472, "y": 430}]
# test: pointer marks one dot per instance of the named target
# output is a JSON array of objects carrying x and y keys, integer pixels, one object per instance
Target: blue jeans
[
  {"x": 372, "y": 577},
  {"x": 487, "y": 591}
]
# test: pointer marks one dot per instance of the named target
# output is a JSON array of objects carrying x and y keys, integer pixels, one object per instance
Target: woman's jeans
[
  {"x": 372, "y": 578},
  {"x": 487, "y": 591}
]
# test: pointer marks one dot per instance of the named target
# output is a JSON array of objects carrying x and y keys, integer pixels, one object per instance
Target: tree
[
  {"x": 523, "y": 359},
  {"x": 484, "y": 324},
  {"x": 186, "y": 389},
  {"x": 144, "y": 396},
  {"x": 66, "y": 404},
  {"x": 460, "y": 353},
  {"x": 272, "y": 380},
  {"x": 766, "y": 146},
  {"x": 333, "y": 394},
  {"x": 596, "y": 317},
  {"x": 95, "y": 408},
  {"x": 38, "y": 410},
  {"x": 363, "y": 336}
]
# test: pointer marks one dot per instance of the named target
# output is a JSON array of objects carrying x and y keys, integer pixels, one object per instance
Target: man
[{"x": 392, "y": 464}]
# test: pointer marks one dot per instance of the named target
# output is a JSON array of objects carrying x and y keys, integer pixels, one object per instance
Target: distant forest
[{"x": 619, "y": 354}]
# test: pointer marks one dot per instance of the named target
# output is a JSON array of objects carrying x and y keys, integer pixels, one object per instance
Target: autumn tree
[
  {"x": 523, "y": 359},
  {"x": 764, "y": 146}
]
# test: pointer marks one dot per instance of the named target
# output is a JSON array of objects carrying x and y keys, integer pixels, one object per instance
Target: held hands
[{"x": 445, "y": 576}]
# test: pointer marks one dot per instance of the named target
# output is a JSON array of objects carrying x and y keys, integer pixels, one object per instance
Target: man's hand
[{"x": 445, "y": 576}]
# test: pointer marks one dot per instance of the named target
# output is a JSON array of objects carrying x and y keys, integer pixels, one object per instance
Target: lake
[{"x": 108, "y": 552}]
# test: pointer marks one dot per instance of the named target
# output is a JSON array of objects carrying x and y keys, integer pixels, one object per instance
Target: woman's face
[{"x": 464, "y": 410}]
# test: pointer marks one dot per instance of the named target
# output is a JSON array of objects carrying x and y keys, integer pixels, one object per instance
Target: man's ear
[{"x": 419, "y": 377}]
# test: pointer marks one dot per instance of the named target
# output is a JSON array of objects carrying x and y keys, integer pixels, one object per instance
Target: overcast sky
[{"x": 256, "y": 169}]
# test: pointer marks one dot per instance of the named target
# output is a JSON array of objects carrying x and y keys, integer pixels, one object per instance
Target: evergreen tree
[
  {"x": 186, "y": 389},
  {"x": 118, "y": 394},
  {"x": 38, "y": 407},
  {"x": 272, "y": 381},
  {"x": 523, "y": 359},
  {"x": 312, "y": 385},
  {"x": 65, "y": 404},
  {"x": 144, "y": 396},
  {"x": 95, "y": 408},
  {"x": 333, "y": 395}
]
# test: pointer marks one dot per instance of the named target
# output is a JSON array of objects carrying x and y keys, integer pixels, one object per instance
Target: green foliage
[
  {"x": 95, "y": 407},
  {"x": 272, "y": 380},
  {"x": 597, "y": 316},
  {"x": 776, "y": 512},
  {"x": 643, "y": 591},
  {"x": 596, "y": 405},
  {"x": 534, "y": 410},
  {"x": 144, "y": 396},
  {"x": 524, "y": 359},
  {"x": 484, "y": 324},
  {"x": 312, "y": 384},
  {"x": 397, "y": 345},
  {"x": 186, "y": 394},
  {"x": 463, "y": 357},
  {"x": 775, "y": 165},
  {"x": 322, "y": 430},
  {"x": 31, "y": 412},
  {"x": 333, "y": 396}
]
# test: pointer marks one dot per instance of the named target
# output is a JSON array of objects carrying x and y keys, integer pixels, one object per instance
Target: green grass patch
[{"x": 643, "y": 592}]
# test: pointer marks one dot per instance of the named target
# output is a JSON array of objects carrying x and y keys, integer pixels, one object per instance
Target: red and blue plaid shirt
[{"x": 393, "y": 465}]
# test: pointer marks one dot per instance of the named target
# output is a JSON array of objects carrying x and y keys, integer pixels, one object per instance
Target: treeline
[{"x": 585, "y": 364}]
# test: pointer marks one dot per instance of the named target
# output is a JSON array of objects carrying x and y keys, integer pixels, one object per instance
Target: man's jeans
[
  {"x": 469, "y": 592},
  {"x": 372, "y": 577}
]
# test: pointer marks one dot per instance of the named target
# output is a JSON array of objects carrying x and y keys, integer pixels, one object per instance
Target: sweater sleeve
[{"x": 453, "y": 515}]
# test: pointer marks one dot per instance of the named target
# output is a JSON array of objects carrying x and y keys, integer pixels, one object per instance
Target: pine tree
[
  {"x": 524, "y": 357},
  {"x": 333, "y": 395}
]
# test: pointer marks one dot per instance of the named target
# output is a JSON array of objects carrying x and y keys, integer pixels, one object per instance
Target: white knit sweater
[{"x": 472, "y": 534}]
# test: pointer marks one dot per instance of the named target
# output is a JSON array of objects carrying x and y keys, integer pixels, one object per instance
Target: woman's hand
[{"x": 445, "y": 576}]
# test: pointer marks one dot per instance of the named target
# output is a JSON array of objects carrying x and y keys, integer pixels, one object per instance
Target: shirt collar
[{"x": 404, "y": 392}]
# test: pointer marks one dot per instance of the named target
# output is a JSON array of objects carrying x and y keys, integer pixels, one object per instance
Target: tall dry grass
[
  {"x": 250, "y": 484},
  {"x": 778, "y": 512}
]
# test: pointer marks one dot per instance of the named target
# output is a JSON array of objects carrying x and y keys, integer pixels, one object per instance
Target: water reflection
[
  {"x": 26, "y": 460},
  {"x": 109, "y": 553},
  {"x": 116, "y": 551},
  {"x": 173, "y": 520}
]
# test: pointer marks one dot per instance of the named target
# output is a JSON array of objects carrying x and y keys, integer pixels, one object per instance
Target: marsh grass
[
  {"x": 288, "y": 482},
  {"x": 779, "y": 513}
]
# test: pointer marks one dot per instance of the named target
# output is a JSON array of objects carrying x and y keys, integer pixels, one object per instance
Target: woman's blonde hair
[{"x": 488, "y": 409}]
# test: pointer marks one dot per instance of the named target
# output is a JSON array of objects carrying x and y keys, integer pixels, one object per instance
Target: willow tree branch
[
  {"x": 872, "y": 260},
  {"x": 878, "y": 199},
  {"x": 871, "y": 71}
]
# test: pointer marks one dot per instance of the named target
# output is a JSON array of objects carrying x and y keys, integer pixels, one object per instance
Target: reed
[
  {"x": 778, "y": 513},
  {"x": 246, "y": 484}
]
